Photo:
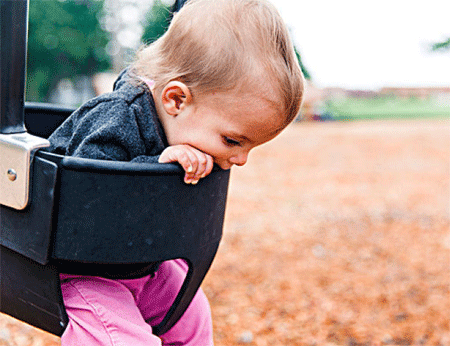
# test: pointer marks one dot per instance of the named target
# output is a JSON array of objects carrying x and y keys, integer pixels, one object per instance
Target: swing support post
[
  {"x": 17, "y": 147},
  {"x": 13, "y": 43}
]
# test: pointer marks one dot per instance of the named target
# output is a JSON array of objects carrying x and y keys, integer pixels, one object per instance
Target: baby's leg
[
  {"x": 103, "y": 312},
  {"x": 195, "y": 326}
]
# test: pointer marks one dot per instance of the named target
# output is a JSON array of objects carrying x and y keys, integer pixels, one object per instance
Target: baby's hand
[{"x": 195, "y": 163}]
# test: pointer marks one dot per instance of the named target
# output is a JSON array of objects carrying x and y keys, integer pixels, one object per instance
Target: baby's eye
[{"x": 231, "y": 142}]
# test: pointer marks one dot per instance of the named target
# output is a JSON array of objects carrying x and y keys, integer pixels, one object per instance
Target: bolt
[{"x": 12, "y": 175}]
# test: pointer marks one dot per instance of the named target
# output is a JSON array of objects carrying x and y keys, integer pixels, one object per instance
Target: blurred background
[
  {"x": 76, "y": 48},
  {"x": 361, "y": 61}
]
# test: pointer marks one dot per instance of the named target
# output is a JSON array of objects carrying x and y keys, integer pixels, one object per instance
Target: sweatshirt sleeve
[{"x": 105, "y": 130}]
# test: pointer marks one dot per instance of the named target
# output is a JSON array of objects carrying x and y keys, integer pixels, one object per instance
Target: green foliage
[
  {"x": 441, "y": 45},
  {"x": 304, "y": 70},
  {"x": 65, "y": 39},
  {"x": 158, "y": 20},
  {"x": 387, "y": 107}
]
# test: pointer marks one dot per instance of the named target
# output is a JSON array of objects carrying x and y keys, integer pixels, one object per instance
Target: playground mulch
[{"x": 336, "y": 233}]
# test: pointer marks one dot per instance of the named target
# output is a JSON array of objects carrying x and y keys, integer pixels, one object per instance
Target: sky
[{"x": 362, "y": 44}]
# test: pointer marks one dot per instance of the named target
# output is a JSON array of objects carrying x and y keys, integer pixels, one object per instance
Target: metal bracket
[{"x": 16, "y": 155}]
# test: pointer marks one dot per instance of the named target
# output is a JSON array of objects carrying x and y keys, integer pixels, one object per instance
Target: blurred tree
[
  {"x": 441, "y": 45},
  {"x": 65, "y": 40},
  {"x": 158, "y": 20},
  {"x": 304, "y": 70}
]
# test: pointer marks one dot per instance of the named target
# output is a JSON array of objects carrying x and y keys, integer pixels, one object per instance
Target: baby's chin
[{"x": 224, "y": 165}]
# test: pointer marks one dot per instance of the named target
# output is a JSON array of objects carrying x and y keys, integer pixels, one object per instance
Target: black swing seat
[{"x": 105, "y": 218}]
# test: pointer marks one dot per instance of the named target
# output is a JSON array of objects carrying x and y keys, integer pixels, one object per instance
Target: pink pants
[{"x": 104, "y": 312}]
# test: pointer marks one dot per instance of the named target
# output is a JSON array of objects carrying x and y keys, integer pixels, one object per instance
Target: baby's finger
[
  {"x": 204, "y": 161},
  {"x": 188, "y": 160},
  {"x": 208, "y": 167},
  {"x": 184, "y": 156}
]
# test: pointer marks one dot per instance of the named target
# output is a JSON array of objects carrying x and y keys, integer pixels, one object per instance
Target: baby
[{"x": 222, "y": 80}]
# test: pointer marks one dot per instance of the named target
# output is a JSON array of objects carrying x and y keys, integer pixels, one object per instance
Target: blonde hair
[{"x": 221, "y": 45}]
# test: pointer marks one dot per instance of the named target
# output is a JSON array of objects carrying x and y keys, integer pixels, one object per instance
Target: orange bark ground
[{"x": 335, "y": 234}]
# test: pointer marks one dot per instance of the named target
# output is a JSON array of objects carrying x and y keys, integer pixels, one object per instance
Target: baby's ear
[{"x": 175, "y": 97}]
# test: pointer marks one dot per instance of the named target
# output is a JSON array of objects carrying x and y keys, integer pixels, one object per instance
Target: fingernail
[
  {"x": 190, "y": 169},
  {"x": 194, "y": 182}
]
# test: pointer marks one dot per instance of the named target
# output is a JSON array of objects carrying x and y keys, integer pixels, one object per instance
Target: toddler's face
[{"x": 227, "y": 127}]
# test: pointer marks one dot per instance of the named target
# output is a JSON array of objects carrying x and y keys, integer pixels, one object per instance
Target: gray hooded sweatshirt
[{"x": 120, "y": 126}]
